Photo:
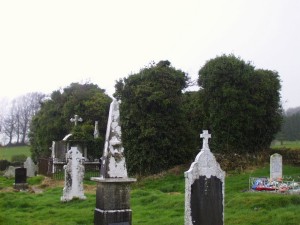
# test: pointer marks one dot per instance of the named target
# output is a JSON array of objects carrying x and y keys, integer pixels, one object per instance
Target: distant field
[
  {"x": 8, "y": 152},
  {"x": 286, "y": 144}
]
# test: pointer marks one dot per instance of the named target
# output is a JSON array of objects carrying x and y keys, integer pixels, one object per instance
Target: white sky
[{"x": 47, "y": 45}]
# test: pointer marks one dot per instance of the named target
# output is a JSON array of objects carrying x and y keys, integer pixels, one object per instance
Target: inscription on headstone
[
  {"x": 275, "y": 166},
  {"x": 204, "y": 189}
]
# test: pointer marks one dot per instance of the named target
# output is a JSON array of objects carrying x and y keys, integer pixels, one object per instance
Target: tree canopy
[
  {"x": 52, "y": 122},
  {"x": 154, "y": 131},
  {"x": 241, "y": 104}
]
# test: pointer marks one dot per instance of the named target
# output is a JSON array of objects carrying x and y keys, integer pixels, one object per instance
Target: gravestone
[
  {"x": 30, "y": 166},
  {"x": 20, "y": 179},
  {"x": 113, "y": 185},
  {"x": 204, "y": 188},
  {"x": 275, "y": 166},
  {"x": 10, "y": 172},
  {"x": 74, "y": 174}
]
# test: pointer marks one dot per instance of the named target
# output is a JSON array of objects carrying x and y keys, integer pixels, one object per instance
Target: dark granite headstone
[
  {"x": 207, "y": 199},
  {"x": 20, "y": 179}
]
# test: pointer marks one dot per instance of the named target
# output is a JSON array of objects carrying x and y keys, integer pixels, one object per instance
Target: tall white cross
[
  {"x": 76, "y": 119},
  {"x": 205, "y": 135}
]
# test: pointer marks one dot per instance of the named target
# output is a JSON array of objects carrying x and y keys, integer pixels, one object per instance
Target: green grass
[
  {"x": 154, "y": 200},
  {"x": 286, "y": 144},
  {"x": 6, "y": 153}
]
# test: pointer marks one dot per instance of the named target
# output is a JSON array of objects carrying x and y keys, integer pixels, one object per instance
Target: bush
[
  {"x": 4, "y": 164},
  {"x": 19, "y": 158}
]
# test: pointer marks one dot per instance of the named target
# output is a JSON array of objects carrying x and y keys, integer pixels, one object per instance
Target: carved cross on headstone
[
  {"x": 76, "y": 119},
  {"x": 205, "y": 135}
]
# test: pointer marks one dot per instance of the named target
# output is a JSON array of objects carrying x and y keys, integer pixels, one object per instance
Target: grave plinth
[{"x": 113, "y": 201}]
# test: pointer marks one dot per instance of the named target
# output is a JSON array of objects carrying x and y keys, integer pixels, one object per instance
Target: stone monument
[
  {"x": 20, "y": 179},
  {"x": 74, "y": 174},
  {"x": 275, "y": 166},
  {"x": 31, "y": 167},
  {"x": 204, "y": 188},
  {"x": 113, "y": 185}
]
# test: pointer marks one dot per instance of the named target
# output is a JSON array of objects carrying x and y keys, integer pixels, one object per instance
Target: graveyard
[
  {"x": 157, "y": 199},
  {"x": 196, "y": 193}
]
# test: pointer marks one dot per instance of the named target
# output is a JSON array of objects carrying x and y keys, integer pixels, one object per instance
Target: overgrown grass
[
  {"x": 6, "y": 153},
  {"x": 157, "y": 199},
  {"x": 286, "y": 144}
]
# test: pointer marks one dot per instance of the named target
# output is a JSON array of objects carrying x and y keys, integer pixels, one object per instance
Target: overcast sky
[{"x": 47, "y": 45}]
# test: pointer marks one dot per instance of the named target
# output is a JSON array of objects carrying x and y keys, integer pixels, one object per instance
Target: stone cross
[
  {"x": 76, "y": 119},
  {"x": 205, "y": 135},
  {"x": 74, "y": 174}
]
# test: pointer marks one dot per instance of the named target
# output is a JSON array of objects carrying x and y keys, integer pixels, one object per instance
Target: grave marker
[
  {"x": 74, "y": 174},
  {"x": 204, "y": 189},
  {"x": 113, "y": 185},
  {"x": 275, "y": 166},
  {"x": 20, "y": 179},
  {"x": 30, "y": 166}
]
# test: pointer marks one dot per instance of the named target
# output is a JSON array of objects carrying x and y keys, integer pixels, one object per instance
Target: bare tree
[
  {"x": 9, "y": 122},
  {"x": 28, "y": 106},
  {"x": 15, "y": 121}
]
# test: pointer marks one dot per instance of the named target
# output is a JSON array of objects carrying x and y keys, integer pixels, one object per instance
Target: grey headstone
[
  {"x": 10, "y": 172},
  {"x": 113, "y": 159},
  {"x": 204, "y": 189},
  {"x": 275, "y": 166},
  {"x": 30, "y": 166},
  {"x": 74, "y": 174}
]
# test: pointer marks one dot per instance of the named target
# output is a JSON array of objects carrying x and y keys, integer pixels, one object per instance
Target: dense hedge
[{"x": 239, "y": 162}]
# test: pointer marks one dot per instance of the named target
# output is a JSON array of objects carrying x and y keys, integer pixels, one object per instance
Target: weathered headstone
[
  {"x": 113, "y": 159},
  {"x": 204, "y": 189},
  {"x": 30, "y": 166},
  {"x": 74, "y": 174},
  {"x": 20, "y": 179},
  {"x": 113, "y": 185},
  {"x": 10, "y": 172},
  {"x": 275, "y": 166}
]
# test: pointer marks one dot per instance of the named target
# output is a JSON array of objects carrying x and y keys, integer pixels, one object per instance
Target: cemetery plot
[{"x": 279, "y": 185}]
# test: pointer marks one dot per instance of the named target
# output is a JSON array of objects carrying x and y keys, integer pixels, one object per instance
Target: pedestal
[{"x": 113, "y": 201}]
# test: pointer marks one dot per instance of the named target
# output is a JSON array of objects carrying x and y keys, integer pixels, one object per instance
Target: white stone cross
[
  {"x": 76, "y": 119},
  {"x": 205, "y": 135}
]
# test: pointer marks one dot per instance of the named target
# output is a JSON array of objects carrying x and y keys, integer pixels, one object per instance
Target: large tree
[
  {"x": 241, "y": 104},
  {"x": 52, "y": 122},
  {"x": 154, "y": 131}
]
